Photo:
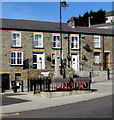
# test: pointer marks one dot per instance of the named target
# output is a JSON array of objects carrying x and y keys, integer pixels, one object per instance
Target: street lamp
[{"x": 62, "y": 4}]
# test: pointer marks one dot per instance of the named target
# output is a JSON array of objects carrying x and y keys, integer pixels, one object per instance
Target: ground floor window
[
  {"x": 16, "y": 58},
  {"x": 18, "y": 76},
  {"x": 97, "y": 58}
]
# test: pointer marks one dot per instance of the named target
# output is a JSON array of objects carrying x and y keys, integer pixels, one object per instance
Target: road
[
  {"x": 96, "y": 108},
  {"x": 6, "y": 100}
]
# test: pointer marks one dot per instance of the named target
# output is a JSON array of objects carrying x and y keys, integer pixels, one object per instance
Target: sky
[{"x": 49, "y": 11}]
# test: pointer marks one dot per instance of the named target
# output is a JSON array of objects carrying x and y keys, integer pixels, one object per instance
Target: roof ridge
[{"x": 31, "y": 20}]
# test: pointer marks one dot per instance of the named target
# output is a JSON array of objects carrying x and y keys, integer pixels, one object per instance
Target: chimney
[{"x": 71, "y": 23}]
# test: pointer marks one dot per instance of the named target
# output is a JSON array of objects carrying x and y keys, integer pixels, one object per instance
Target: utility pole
[{"x": 62, "y": 4}]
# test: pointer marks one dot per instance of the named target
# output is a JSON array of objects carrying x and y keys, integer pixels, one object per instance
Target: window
[
  {"x": 74, "y": 42},
  {"x": 16, "y": 58},
  {"x": 96, "y": 58},
  {"x": 16, "y": 39},
  {"x": 18, "y": 76},
  {"x": 38, "y": 40},
  {"x": 97, "y": 42},
  {"x": 56, "y": 41}
]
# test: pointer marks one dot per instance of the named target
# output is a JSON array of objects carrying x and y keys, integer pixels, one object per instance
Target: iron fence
[{"x": 65, "y": 84}]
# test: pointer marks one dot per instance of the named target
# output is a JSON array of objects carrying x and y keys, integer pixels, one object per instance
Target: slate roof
[
  {"x": 103, "y": 24},
  {"x": 110, "y": 13},
  {"x": 43, "y": 26}
]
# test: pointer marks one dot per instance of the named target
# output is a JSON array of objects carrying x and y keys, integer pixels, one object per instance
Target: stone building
[{"x": 29, "y": 47}]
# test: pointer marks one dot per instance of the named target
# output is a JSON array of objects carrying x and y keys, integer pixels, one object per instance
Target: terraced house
[{"x": 29, "y": 47}]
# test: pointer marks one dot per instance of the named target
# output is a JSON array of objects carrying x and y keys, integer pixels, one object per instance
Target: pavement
[{"x": 102, "y": 86}]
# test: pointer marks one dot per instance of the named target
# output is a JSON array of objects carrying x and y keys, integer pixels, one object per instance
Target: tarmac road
[
  {"x": 96, "y": 108},
  {"x": 6, "y": 100}
]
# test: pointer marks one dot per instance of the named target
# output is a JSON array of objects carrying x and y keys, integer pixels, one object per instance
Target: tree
[{"x": 96, "y": 18}]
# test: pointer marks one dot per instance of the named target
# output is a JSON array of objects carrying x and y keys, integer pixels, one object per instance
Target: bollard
[
  {"x": 90, "y": 75},
  {"x": 28, "y": 84},
  {"x": 108, "y": 74}
]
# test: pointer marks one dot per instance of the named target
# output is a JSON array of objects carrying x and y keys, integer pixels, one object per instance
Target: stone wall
[
  {"x": 27, "y": 48},
  {"x": 88, "y": 64}
]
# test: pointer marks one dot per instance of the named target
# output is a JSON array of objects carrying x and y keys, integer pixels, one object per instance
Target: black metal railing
[{"x": 65, "y": 84}]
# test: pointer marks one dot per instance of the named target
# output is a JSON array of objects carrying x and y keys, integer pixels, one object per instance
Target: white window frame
[
  {"x": 57, "y": 42},
  {"x": 38, "y": 41},
  {"x": 75, "y": 42},
  {"x": 15, "y": 58},
  {"x": 97, "y": 58},
  {"x": 17, "y": 40},
  {"x": 97, "y": 41}
]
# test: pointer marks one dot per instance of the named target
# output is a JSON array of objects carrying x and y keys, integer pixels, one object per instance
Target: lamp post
[{"x": 62, "y": 4}]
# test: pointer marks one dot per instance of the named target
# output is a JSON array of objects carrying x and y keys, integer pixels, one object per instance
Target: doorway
[
  {"x": 5, "y": 82},
  {"x": 75, "y": 62},
  {"x": 38, "y": 61},
  {"x": 106, "y": 61}
]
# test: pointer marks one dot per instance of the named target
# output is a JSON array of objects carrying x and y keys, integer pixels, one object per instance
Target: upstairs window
[
  {"x": 16, "y": 58},
  {"x": 38, "y": 40},
  {"x": 74, "y": 42},
  {"x": 97, "y": 42},
  {"x": 16, "y": 39},
  {"x": 56, "y": 41}
]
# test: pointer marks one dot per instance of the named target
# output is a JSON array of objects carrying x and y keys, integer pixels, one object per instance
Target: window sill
[
  {"x": 15, "y": 65},
  {"x": 16, "y": 47},
  {"x": 97, "y": 47},
  {"x": 38, "y": 47},
  {"x": 74, "y": 48},
  {"x": 56, "y": 48}
]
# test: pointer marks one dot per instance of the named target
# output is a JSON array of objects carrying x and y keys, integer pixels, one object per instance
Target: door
[
  {"x": 38, "y": 61},
  {"x": 5, "y": 82},
  {"x": 75, "y": 62},
  {"x": 106, "y": 60}
]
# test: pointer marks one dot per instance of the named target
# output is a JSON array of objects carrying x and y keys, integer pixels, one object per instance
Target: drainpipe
[
  {"x": 103, "y": 55},
  {"x": 68, "y": 50}
]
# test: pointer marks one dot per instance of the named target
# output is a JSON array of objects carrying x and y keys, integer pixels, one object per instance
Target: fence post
[
  {"x": 22, "y": 86},
  {"x": 108, "y": 74},
  {"x": 89, "y": 84},
  {"x": 90, "y": 75},
  {"x": 48, "y": 84},
  {"x": 28, "y": 84},
  {"x": 34, "y": 86},
  {"x": 31, "y": 85},
  {"x": 40, "y": 84}
]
